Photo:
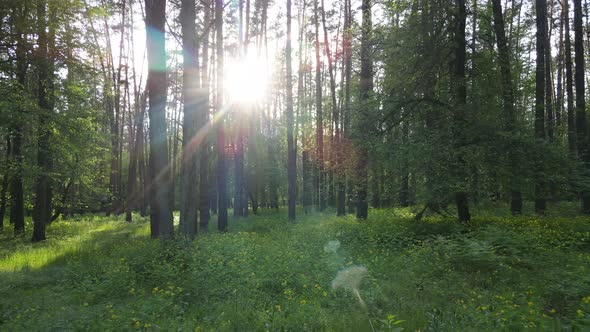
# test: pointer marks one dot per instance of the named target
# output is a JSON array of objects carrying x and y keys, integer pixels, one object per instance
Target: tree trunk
[
  {"x": 541, "y": 21},
  {"x": 42, "y": 207},
  {"x": 17, "y": 210},
  {"x": 203, "y": 119},
  {"x": 366, "y": 91},
  {"x": 291, "y": 153},
  {"x": 161, "y": 210},
  {"x": 5, "y": 182},
  {"x": 569, "y": 83},
  {"x": 319, "y": 176},
  {"x": 221, "y": 168},
  {"x": 581, "y": 124},
  {"x": 190, "y": 140},
  {"x": 459, "y": 120},
  {"x": 508, "y": 104}
]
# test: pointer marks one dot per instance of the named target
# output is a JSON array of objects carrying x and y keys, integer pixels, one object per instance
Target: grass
[{"x": 498, "y": 273}]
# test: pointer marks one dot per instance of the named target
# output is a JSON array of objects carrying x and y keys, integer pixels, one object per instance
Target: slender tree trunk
[
  {"x": 459, "y": 120},
  {"x": 569, "y": 83},
  {"x": 341, "y": 171},
  {"x": 42, "y": 207},
  {"x": 549, "y": 80},
  {"x": 203, "y": 119},
  {"x": 221, "y": 168},
  {"x": 581, "y": 124},
  {"x": 319, "y": 179},
  {"x": 560, "y": 70},
  {"x": 366, "y": 91},
  {"x": 161, "y": 210},
  {"x": 291, "y": 153},
  {"x": 541, "y": 21},
  {"x": 190, "y": 143},
  {"x": 17, "y": 211},
  {"x": 508, "y": 104},
  {"x": 5, "y": 182}
]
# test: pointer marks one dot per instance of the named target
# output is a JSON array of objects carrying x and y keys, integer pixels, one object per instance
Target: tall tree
[
  {"x": 17, "y": 210},
  {"x": 291, "y": 153},
  {"x": 569, "y": 83},
  {"x": 366, "y": 91},
  {"x": 203, "y": 119},
  {"x": 319, "y": 179},
  {"x": 541, "y": 20},
  {"x": 459, "y": 116},
  {"x": 581, "y": 122},
  {"x": 508, "y": 104},
  {"x": 42, "y": 208},
  {"x": 160, "y": 204},
  {"x": 190, "y": 93},
  {"x": 221, "y": 168}
]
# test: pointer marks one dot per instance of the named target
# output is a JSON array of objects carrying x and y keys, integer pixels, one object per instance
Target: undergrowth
[{"x": 497, "y": 273}]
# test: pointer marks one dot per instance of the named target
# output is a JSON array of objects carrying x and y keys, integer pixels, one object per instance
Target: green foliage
[{"x": 266, "y": 274}]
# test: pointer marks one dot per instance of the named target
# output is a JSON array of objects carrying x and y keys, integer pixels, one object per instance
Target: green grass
[{"x": 498, "y": 273}]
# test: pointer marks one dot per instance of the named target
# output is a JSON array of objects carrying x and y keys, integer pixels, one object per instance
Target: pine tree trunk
[
  {"x": 581, "y": 124},
  {"x": 569, "y": 84},
  {"x": 291, "y": 153},
  {"x": 190, "y": 140},
  {"x": 221, "y": 160},
  {"x": 508, "y": 104},
  {"x": 203, "y": 119},
  {"x": 366, "y": 91},
  {"x": 42, "y": 207},
  {"x": 459, "y": 120},
  {"x": 161, "y": 219},
  {"x": 541, "y": 21}
]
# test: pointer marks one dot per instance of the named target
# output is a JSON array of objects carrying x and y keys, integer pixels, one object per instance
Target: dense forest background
[{"x": 208, "y": 106}]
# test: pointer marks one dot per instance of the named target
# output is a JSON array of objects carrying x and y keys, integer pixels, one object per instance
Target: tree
[
  {"x": 581, "y": 122},
  {"x": 508, "y": 103},
  {"x": 203, "y": 118},
  {"x": 159, "y": 172},
  {"x": 43, "y": 191},
  {"x": 291, "y": 153},
  {"x": 190, "y": 89},
  {"x": 571, "y": 119},
  {"x": 366, "y": 91},
  {"x": 541, "y": 20},
  {"x": 221, "y": 168},
  {"x": 319, "y": 178}
]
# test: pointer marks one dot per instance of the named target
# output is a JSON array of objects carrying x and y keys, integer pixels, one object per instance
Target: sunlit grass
[{"x": 499, "y": 273}]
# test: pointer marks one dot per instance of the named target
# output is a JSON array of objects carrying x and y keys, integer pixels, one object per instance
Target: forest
[{"x": 286, "y": 165}]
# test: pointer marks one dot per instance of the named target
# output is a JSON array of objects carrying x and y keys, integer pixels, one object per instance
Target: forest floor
[{"x": 322, "y": 273}]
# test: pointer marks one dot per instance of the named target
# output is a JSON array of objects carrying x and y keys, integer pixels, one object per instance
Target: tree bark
[
  {"x": 221, "y": 162},
  {"x": 190, "y": 143},
  {"x": 43, "y": 190},
  {"x": 581, "y": 124},
  {"x": 459, "y": 116},
  {"x": 161, "y": 219},
  {"x": 366, "y": 91},
  {"x": 571, "y": 117},
  {"x": 17, "y": 210},
  {"x": 508, "y": 104},
  {"x": 541, "y": 21},
  {"x": 291, "y": 153}
]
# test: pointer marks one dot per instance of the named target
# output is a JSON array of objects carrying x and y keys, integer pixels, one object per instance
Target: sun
[{"x": 246, "y": 81}]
